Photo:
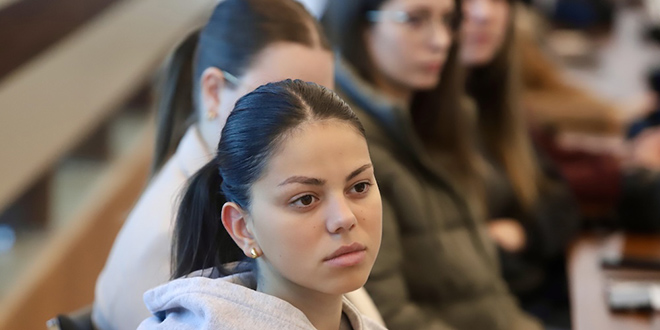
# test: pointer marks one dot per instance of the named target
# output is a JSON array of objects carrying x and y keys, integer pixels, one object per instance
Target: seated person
[{"x": 292, "y": 187}]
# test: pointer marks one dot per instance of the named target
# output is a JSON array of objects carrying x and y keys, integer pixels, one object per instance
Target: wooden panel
[
  {"x": 642, "y": 246},
  {"x": 96, "y": 146},
  {"x": 28, "y": 27},
  {"x": 51, "y": 104},
  {"x": 63, "y": 277}
]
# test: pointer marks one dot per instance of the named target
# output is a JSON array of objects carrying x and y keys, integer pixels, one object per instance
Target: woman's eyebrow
[
  {"x": 303, "y": 180},
  {"x": 319, "y": 182},
  {"x": 358, "y": 171}
]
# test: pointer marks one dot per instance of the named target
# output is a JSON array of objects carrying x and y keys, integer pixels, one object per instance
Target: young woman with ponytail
[
  {"x": 245, "y": 43},
  {"x": 283, "y": 221}
]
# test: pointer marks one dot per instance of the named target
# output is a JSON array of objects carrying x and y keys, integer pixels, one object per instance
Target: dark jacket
[
  {"x": 437, "y": 268},
  {"x": 550, "y": 225}
]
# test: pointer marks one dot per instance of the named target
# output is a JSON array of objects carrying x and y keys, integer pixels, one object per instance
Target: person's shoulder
[
  {"x": 162, "y": 192},
  {"x": 142, "y": 245},
  {"x": 225, "y": 303},
  {"x": 370, "y": 324}
]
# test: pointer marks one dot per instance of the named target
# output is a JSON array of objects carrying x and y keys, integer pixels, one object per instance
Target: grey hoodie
[{"x": 231, "y": 302}]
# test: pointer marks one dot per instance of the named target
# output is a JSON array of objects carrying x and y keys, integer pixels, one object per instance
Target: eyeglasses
[
  {"x": 230, "y": 78},
  {"x": 236, "y": 82},
  {"x": 417, "y": 21}
]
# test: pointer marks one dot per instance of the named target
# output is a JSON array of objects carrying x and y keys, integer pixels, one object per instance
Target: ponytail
[
  {"x": 175, "y": 109},
  {"x": 200, "y": 240}
]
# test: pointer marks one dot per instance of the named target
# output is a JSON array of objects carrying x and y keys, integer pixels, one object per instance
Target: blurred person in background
[
  {"x": 281, "y": 238},
  {"x": 653, "y": 117},
  {"x": 315, "y": 7},
  {"x": 399, "y": 71},
  {"x": 616, "y": 182},
  {"x": 245, "y": 43},
  {"x": 580, "y": 134},
  {"x": 593, "y": 15},
  {"x": 533, "y": 216}
]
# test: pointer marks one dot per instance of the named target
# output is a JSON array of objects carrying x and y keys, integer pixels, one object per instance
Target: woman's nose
[{"x": 340, "y": 217}]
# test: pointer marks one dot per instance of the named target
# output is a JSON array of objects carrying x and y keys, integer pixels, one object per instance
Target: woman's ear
[
  {"x": 212, "y": 82},
  {"x": 234, "y": 218}
]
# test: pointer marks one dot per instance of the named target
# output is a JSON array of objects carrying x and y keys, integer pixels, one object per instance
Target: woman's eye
[
  {"x": 416, "y": 20},
  {"x": 304, "y": 201},
  {"x": 361, "y": 187}
]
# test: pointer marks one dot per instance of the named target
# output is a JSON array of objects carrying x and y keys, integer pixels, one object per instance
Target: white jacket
[
  {"x": 140, "y": 257},
  {"x": 231, "y": 303}
]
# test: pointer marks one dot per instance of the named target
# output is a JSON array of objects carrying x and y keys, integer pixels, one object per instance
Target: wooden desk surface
[{"x": 587, "y": 282}]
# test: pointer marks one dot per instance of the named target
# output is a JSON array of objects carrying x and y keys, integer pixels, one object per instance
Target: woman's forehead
[
  {"x": 289, "y": 60},
  {"x": 444, "y": 5},
  {"x": 318, "y": 145}
]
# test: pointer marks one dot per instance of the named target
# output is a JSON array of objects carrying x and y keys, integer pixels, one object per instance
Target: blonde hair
[{"x": 551, "y": 102}]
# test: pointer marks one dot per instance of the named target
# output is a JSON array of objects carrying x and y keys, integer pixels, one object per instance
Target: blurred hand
[
  {"x": 639, "y": 106},
  {"x": 646, "y": 149},
  {"x": 508, "y": 234}
]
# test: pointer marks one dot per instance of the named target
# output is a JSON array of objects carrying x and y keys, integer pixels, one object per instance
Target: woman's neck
[
  {"x": 322, "y": 310},
  {"x": 394, "y": 91}
]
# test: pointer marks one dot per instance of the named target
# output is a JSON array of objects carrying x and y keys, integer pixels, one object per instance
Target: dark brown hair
[{"x": 441, "y": 118}]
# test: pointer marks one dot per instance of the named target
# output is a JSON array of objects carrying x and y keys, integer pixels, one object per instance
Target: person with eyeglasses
[
  {"x": 245, "y": 44},
  {"x": 399, "y": 71}
]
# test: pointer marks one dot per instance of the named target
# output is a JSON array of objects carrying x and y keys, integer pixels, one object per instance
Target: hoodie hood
[{"x": 206, "y": 301}]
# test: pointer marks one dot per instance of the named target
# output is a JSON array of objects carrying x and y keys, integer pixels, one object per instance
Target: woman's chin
[
  {"x": 348, "y": 283},
  {"x": 476, "y": 58},
  {"x": 427, "y": 84}
]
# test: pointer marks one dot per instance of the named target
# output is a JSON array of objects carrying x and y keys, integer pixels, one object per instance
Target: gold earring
[
  {"x": 253, "y": 253},
  {"x": 211, "y": 115}
]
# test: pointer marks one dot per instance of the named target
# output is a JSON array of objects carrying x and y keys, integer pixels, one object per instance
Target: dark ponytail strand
[
  {"x": 175, "y": 110},
  {"x": 200, "y": 240}
]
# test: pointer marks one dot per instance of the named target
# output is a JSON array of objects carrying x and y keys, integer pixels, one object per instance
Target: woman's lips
[
  {"x": 347, "y": 255},
  {"x": 433, "y": 67},
  {"x": 479, "y": 38}
]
